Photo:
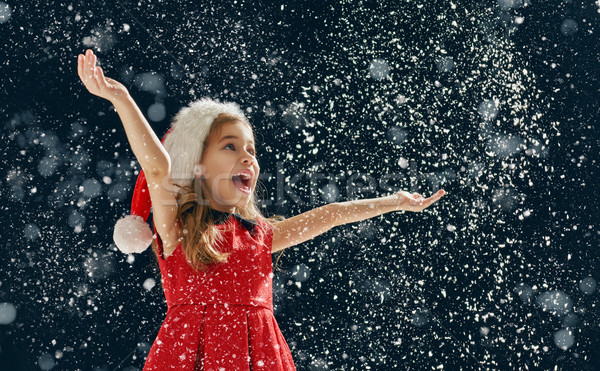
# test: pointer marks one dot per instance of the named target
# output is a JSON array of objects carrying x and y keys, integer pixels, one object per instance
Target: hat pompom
[{"x": 132, "y": 234}]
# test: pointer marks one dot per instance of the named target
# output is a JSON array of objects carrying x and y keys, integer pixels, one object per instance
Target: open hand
[
  {"x": 414, "y": 201},
  {"x": 94, "y": 80}
]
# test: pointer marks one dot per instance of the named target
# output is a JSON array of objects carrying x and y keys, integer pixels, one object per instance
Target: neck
[{"x": 225, "y": 209}]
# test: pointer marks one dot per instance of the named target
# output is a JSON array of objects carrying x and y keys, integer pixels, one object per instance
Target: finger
[
  {"x": 87, "y": 66},
  {"x": 96, "y": 79},
  {"x": 93, "y": 60},
  {"x": 79, "y": 64},
  {"x": 85, "y": 74},
  {"x": 81, "y": 69},
  {"x": 101, "y": 77},
  {"x": 94, "y": 70},
  {"x": 433, "y": 199},
  {"x": 91, "y": 64},
  {"x": 436, "y": 196}
]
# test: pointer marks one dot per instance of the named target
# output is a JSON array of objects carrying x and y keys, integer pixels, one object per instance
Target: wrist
[
  {"x": 121, "y": 99},
  {"x": 394, "y": 201}
]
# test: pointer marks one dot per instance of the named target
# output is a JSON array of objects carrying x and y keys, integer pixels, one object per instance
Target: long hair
[{"x": 200, "y": 235}]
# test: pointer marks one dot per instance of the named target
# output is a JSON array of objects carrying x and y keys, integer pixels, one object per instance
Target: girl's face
[{"x": 227, "y": 154}]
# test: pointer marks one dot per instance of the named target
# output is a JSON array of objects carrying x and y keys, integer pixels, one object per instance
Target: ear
[{"x": 199, "y": 170}]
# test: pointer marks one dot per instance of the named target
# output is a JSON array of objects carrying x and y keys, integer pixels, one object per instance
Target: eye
[{"x": 231, "y": 144}]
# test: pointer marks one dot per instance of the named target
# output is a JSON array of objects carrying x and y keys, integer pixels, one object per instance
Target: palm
[
  {"x": 415, "y": 202},
  {"x": 94, "y": 80}
]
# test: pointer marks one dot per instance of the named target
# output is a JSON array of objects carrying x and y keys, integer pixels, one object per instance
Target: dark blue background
[{"x": 401, "y": 291}]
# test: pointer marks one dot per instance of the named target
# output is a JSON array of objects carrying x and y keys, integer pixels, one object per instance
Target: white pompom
[{"x": 132, "y": 234}]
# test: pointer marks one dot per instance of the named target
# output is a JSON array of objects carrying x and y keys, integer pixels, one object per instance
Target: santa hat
[{"x": 184, "y": 142}]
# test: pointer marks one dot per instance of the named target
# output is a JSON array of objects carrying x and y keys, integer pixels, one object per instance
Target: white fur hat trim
[
  {"x": 132, "y": 234},
  {"x": 191, "y": 127}
]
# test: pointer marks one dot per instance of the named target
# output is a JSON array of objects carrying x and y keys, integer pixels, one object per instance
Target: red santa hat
[{"x": 184, "y": 142}]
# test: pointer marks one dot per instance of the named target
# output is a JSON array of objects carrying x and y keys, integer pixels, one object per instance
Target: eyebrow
[{"x": 232, "y": 137}]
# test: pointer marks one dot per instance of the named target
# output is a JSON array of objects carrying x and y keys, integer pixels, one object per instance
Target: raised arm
[
  {"x": 146, "y": 146},
  {"x": 310, "y": 224}
]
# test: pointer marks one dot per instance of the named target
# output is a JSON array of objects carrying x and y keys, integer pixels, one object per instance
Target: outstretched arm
[
  {"x": 355, "y": 211},
  {"x": 144, "y": 143},
  {"x": 310, "y": 224}
]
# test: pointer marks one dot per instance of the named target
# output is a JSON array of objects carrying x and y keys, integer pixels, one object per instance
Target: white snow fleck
[{"x": 149, "y": 283}]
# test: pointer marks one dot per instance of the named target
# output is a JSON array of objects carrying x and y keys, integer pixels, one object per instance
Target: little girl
[{"x": 211, "y": 241}]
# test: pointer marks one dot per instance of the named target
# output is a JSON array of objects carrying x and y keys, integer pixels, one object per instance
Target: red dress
[{"x": 221, "y": 319}]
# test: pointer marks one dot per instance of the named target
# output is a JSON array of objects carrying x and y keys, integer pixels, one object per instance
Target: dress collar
[{"x": 221, "y": 217}]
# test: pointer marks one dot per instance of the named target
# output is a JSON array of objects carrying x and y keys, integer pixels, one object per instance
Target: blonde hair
[{"x": 200, "y": 234}]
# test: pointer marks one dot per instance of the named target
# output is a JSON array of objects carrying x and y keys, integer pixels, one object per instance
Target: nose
[{"x": 248, "y": 158}]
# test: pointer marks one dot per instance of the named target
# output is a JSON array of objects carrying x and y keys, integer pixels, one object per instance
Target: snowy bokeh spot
[
  {"x": 99, "y": 266},
  {"x": 48, "y": 165},
  {"x": 485, "y": 100},
  {"x": 525, "y": 292},
  {"x": 78, "y": 130},
  {"x": 31, "y": 231},
  {"x": 118, "y": 192},
  {"x": 419, "y": 318},
  {"x": 564, "y": 339},
  {"x": 126, "y": 74},
  {"x": 46, "y": 362},
  {"x": 102, "y": 39},
  {"x": 555, "y": 302},
  {"x": 301, "y": 272},
  {"x": 76, "y": 220},
  {"x": 293, "y": 115},
  {"x": 506, "y": 199},
  {"x": 8, "y": 313},
  {"x": 157, "y": 112},
  {"x": 396, "y": 134},
  {"x": 488, "y": 110},
  {"x": 91, "y": 188},
  {"x": 5, "y": 12},
  {"x": 80, "y": 160},
  {"x": 445, "y": 64},
  {"x": 504, "y": 145},
  {"x": 568, "y": 27},
  {"x": 330, "y": 193},
  {"x": 150, "y": 82},
  {"x": 401, "y": 99},
  {"x": 379, "y": 69},
  {"x": 510, "y": 4},
  {"x": 588, "y": 285}
]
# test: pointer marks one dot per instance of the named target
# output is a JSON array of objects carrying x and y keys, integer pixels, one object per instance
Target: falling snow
[{"x": 495, "y": 102}]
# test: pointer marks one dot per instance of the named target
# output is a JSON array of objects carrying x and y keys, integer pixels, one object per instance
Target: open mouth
[{"x": 242, "y": 183}]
